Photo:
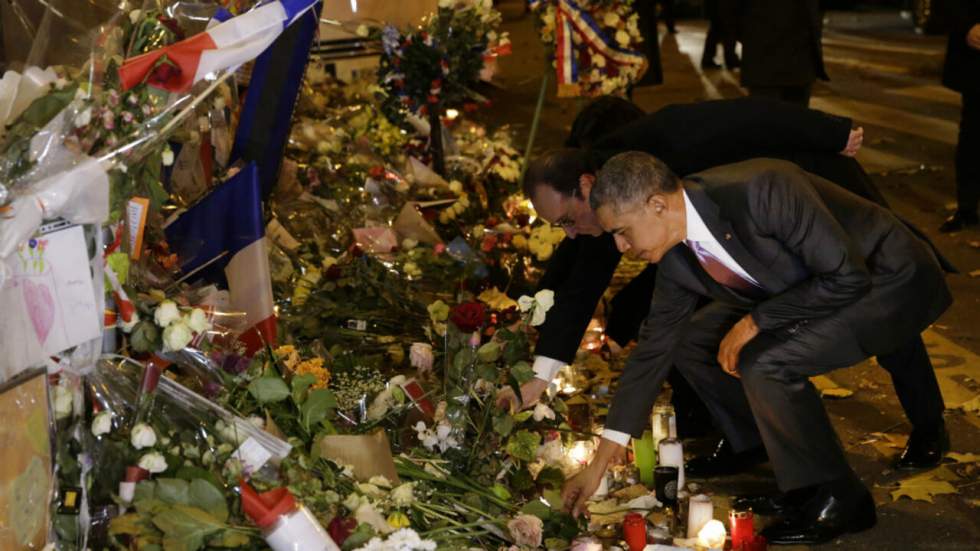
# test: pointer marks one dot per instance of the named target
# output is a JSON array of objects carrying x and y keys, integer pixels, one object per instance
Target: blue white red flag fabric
[
  {"x": 223, "y": 238},
  {"x": 224, "y": 45}
]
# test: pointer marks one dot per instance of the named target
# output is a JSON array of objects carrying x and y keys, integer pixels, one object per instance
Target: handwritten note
[{"x": 48, "y": 302}]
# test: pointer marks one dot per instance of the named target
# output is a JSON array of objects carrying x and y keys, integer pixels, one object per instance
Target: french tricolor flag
[
  {"x": 221, "y": 239},
  {"x": 227, "y": 43}
]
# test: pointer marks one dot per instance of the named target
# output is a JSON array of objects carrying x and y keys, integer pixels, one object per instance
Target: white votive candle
[
  {"x": 700, "y": 510},
  {"x": 672, "y": 455}
]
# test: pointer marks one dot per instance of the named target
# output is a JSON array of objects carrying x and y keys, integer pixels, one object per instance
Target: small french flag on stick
[
  {"x": 221, "y": 239},
  {"x": 224, "y": 45}
]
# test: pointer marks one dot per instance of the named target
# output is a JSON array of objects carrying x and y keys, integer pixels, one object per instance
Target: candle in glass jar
[
  {"x": 699, "y": 511},
  {"x": 712, "y": 535},
  {"x": 635, "y": 531},
  {"x": 645, "y": 457},
  {"x": 660, "y": 423},
  {"x": 743, "y": 528},
  {"x": 672, "y": 455}
]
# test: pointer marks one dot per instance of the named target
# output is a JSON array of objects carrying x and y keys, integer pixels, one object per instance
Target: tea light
[
  {"x": 743, "y": 528},
  {"x": 580, "y": 453},
  {"x": 672, "y": 455},
  {"x": 712, "y": 535},
  {"x": 700, "y": 510}
]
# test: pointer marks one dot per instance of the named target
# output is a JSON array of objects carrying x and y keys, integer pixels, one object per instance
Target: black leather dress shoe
[
  {"x": 829, "y": 514},
  {"x": 783, "y": 505},
  {"x": 724, "y": 461},
  {"x": 924, "y": 450},
  {"x": 959, "y": 221}
]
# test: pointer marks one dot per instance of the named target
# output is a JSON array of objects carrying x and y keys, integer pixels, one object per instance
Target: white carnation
[
  {"x": 102, "y": 423},
  {"x": 143, "y": 436},
  {"x": 198, "y": 321},
  {"x": 176, "y": 337},
  {"x": 153, "y": 462},
  {"x": 166, "y": 313}
]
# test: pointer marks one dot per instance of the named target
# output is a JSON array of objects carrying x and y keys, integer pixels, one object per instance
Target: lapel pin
[{"x": 728, "y": 236}]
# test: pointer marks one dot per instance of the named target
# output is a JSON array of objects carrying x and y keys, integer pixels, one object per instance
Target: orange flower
[{"x": 314, "y": 366}]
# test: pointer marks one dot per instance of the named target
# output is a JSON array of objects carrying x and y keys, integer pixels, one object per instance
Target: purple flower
[
  {"x": 235, "y": 364},
  {"x": 390, "y": 38},
  {"x": 211, "y": 389}
]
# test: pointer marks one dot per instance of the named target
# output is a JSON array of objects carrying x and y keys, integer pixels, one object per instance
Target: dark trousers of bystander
[
  {"x": 968, "y": 156},
  {"x": 799, "y": 95}
]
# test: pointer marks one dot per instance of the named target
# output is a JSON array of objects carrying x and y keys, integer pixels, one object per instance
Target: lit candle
[
  {"x": 672, "y": 455},
  {"x": 700, "y": 510},
  {"x": 580, "y": 453},
  {"x": 635, "y": 531},
  {"x": 645, "y": 457},
  {"x": 660, "y": 422},
  {"x": 712, "y": 535},
  {"x": 743, "y": 528}
]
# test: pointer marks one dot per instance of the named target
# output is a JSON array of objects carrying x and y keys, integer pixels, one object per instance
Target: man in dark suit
[
  {"x": 722, "y": 23},
  {"x": 781, "y": 50},
  {"x": 804, "y": 278},
  {"x": 719, "y": 132},
  {"x": 962, "y": 73}
]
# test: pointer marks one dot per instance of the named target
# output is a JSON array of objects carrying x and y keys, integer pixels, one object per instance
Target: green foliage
[
  {"x": 317, "y": 406},
  {"x": 269, "y": 389},
  {"x": 523, "y": 445}
]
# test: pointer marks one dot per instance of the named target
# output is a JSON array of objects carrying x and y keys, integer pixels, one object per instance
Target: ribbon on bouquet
[{"x": 574, "y": 25}]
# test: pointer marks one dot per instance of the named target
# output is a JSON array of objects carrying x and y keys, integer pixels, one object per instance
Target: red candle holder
[
  {"x": 743, "y": 529},
  {"x": 635, "y": 531}
]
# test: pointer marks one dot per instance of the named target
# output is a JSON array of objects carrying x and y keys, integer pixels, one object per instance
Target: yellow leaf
[
  {"x": 963, "y": 457},
  {"x": 130, "y": 525},
  {"x": 923, "y": 488},
  {"x": 497, "y": 300},
  {"x": 971, "y": 405},
  {"x": 836, "y": 392}
]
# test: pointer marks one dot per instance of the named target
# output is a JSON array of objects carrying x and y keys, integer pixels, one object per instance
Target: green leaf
[
  {"x": 268, "y": 389},
  {"x": 523, "y": 416},
  {"x": 131, "y": 524},
  {"x": 537, "y": 508},
  {"x": 173, "y": 491},
  {"x": 229, "y": 538},
  {"x": 503, "y": 423},
  {"x": 145, "y": 337},
  {"x": 522, "y": 371},
  {"x": 317, "y": 406},
  {"x": 185, "y": 528},
  {"x": 524, "y": 445},
  {"x": 300, "y": 384},
  {"x": 361, "y": 535},
  {"x": 206, "y": 496},
  {"x": 145, "y": 489},
  {"x": 555, "y": 543},
  {"x": 551, "y": 477},
  {"x": 190, "y": 473},
  {"x": 489, "y": 352},
  {"x": 553, "y": 497}
]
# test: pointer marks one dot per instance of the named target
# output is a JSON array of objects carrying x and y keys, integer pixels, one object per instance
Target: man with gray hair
[{"x": 804, "y": 278}]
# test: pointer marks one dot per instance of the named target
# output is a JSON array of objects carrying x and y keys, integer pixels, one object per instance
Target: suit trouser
[
  {"x": 774, "y": 403},
  {"x": 967, "y": 160},
  {"x": 799, "y": 94}
]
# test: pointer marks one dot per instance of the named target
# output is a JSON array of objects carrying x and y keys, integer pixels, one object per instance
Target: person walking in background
[
  {"x": 962, "y": 73},
  {"x": 781, "y": 51},
  {"x": 646, "y": 11},
  {"x": 722, "y": 18}
]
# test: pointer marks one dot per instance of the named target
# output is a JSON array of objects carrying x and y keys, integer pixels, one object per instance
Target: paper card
[
  {"x": 136, "y": 211},
  {"x": 411, "y": 224},
  {"x": 253, "y": 455},
  {"x": 376, "y": 240},
  {"x": 26, "y": 484},
  {"x": 367, "y": 454},
  {"x": 49, "y": 301}
]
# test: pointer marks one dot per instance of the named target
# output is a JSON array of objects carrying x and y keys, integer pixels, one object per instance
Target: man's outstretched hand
[
  {"x": 578, "y": 489},
  {"x": 530, "y": 394}
]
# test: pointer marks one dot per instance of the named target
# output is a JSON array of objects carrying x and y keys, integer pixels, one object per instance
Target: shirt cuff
[
  {"x": 617, "y": 437},
  {"x": 546, "y": 368}
]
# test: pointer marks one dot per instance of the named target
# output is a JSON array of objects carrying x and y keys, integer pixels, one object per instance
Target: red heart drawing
[{"x": 40, "y": 307}]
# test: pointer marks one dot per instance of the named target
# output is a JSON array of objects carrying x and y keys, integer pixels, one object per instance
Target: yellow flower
[
  {"x": 438, "y": 311},
  {"x": 519, "y": 242},
  {"x": 314, "y": 366},
  {"x": 288, "y": 355},
  {"x": 398, "y": 520}
]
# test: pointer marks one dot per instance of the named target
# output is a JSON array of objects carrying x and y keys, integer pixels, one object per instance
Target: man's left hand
[{"x": 738, "y": 336}]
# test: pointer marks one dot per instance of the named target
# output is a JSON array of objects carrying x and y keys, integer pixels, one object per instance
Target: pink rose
[
  {"x": 420, "y": 354},
  {"x": 526, "y": 530}
]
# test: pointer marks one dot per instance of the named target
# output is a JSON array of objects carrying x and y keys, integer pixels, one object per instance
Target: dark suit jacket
[
  {"x": 689, "y": 138},
  {"x": 962, "y": 69},
  {"x": 817, "y": 251},
  {"x": 781, "y": 42}
]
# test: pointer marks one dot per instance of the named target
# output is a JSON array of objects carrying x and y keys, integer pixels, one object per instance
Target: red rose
[
  {"x": 341, "y": 528},
  {"x": 489, "y": 242},
  {"x": 376, "y": 171},
  {"x": 468, "y": 316}
]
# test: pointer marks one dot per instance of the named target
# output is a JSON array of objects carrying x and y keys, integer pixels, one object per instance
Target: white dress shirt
[{"x": 699, "y": 232}]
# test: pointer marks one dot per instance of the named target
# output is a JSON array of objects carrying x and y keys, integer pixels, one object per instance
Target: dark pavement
[{"x": 886, "y": 78}]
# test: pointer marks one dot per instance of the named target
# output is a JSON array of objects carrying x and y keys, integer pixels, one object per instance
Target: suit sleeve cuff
[
  {"x": 546, "y": 368},
  {"x": 616, "y": 437}
]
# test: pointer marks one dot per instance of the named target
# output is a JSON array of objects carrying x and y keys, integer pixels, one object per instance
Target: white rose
[
  {"x": 102, "y": 424},
  {"x": 256, "y": 421},
  {"x": 456, "y": 187},
  {"x": 166, "y": 313},
  {"x": 83, "y": 118},
  {"x": 545, "y": 298},
  {"x": 198, "y": 321},
  {"x": 623, "y": 38},
  {"x": 420, "y": 356},
  {"x": 408, "y": 243},
  {"x": 403, "y": 495},
  {"x": 176, "y": 337},
  {"x": 542, "y": 412},
  {"x": 367, "y": 514},
  {"x": 63, "y": 405},
  {"x": 362, "y": 30},
  {"x": 153, "y": 462},
  {"x": 611, "y": 19},
  {"x": 134, "y": 16},
  {"x": 167, "y": 157},
  {"x": 525, "y": 303},
  {"x": 551, "y": 452},
  {"x": 143, "y": 436}
]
